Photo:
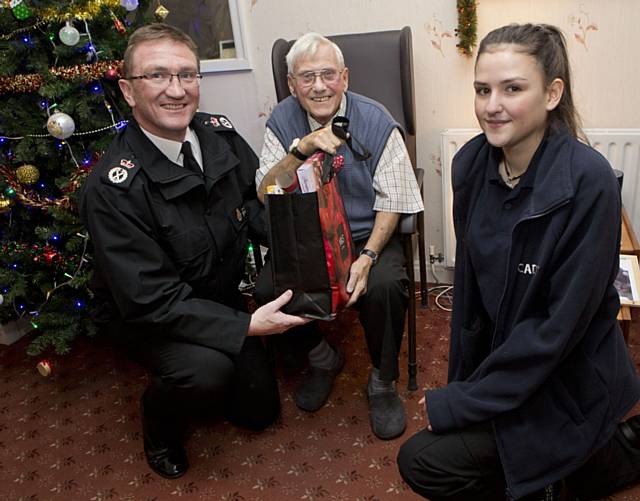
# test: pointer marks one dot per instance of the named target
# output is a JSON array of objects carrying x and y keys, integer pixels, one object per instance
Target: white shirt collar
[{"x": 171, "y": 149}]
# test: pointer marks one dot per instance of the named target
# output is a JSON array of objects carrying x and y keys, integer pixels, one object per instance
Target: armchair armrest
[{"x": 408, "y": 223}]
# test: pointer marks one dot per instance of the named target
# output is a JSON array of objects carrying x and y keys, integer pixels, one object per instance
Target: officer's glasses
[
  {"x": 328, "y": 76},
  {"x": 163, "y": 79}
]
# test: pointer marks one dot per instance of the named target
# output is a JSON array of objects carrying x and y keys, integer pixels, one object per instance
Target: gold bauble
[
  {"x": 5, "y": 204},
  {"x": 44, "y": 368},
  {"x": 27, "y": 174},
  {"x": 161, "y": 13}
]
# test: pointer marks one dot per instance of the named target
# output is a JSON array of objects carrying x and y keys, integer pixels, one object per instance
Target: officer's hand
[
  {"x": 358, "y": 277},
  {"x": 321, "y": 139},
  {"x": 268, "y": 319}
]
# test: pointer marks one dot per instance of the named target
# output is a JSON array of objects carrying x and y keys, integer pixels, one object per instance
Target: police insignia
[
  {"x": 219, "y": 122},
  {"x": 117, "y": 175},
  {"x": 127, "y": 163}
]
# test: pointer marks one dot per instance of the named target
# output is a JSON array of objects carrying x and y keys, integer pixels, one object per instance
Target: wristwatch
[
  {"x": 371, "y": 254},
  {"x": 293, "y": 149}
]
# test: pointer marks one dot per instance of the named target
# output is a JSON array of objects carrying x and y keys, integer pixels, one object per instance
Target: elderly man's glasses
[
  {"x": 328, "y": 76},
  {"x": 163, "y": 79}
]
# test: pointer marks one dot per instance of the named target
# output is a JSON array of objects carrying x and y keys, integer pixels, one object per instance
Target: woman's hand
[{"x": 423, "y": 402}]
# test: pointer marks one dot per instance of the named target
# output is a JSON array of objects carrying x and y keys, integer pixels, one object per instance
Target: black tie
[{"x": 188, "y": 160}]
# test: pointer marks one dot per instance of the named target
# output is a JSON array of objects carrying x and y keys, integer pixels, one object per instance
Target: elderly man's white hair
[{"x": 307, "y": 45}]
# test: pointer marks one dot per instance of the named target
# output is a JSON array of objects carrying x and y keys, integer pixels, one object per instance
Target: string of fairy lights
[{"x": 23, "y": 183}]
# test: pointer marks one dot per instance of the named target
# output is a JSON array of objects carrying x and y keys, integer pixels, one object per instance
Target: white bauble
[
  {"x": 60, "y": 125},
  {"x": 129, "y": 4},
  {"x": 69, "y": 35}
]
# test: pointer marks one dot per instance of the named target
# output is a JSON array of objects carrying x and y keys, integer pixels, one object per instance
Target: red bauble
[
  {"x": 111, "y": 74},
  {"x": 119, "y": 26}
]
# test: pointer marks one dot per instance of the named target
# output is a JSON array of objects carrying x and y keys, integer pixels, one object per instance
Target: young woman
[{"x": 539, "y": 375}]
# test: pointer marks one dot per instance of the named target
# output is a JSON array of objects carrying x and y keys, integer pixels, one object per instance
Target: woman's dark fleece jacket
[{"x": 553, "y": 374}]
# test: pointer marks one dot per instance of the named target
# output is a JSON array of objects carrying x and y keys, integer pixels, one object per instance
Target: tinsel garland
[
  {"x": 31, "y": 198},
  {"x": 467, "y": 26},
  {"x": 84, "y": 12},
  {"x": 24, "y": 29},
  {"x": 84, "y": 72}
]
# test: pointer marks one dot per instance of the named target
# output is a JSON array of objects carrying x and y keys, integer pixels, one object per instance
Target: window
[{"x": 215, "y": 27}]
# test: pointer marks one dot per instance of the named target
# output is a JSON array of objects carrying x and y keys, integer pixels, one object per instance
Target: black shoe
[
  {"x": 164, "y": 452},
  {"x": 386, "y": 415},
  {"x": 631, "y": 430},
  {"x": 312, "y": 393}
]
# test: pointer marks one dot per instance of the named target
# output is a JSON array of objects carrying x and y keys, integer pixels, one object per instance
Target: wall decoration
[
  {"x": 467, "y": 26},
  {"x": 437, "y": 34},
  {"x": 582, "y": 25}
]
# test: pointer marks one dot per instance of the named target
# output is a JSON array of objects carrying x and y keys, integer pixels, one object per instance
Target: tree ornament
[
  {"x": 117, "y": 23},
  {"x": 44, "y": 368},
  {"x": 5, "y": 204},
  {"x": 20, "y": 9},
  {"x": 129, "y": 5},
  {"x": 111, "y": 73},
  {"x": 161, "y": 12},
  {"x": 60, "y": 125},
  {"x": 27, "y": 174},
  {"x": 69, "y": 35}
]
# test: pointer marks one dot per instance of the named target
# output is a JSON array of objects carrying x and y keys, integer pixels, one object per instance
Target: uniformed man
[{"x": 169, "y": 208}]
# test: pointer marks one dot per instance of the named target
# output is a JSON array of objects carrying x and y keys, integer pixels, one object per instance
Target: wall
[{"x": 605, "y": 78}]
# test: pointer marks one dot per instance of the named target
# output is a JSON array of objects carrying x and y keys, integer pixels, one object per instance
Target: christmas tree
[{"x": 61, "y": 106}]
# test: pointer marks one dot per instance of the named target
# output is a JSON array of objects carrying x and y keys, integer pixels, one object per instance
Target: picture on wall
[{"x": 627, "y": 280}]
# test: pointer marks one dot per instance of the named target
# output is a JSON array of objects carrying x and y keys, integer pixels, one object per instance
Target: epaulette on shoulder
[
  {"x": 220, "y": 123},
  {"x": 119, "y": 172}
]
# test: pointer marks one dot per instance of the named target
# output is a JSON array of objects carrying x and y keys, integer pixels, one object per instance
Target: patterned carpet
[{"x": 76, "y": 434}]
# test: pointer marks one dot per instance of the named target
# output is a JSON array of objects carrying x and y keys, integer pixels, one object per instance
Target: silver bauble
[
  {"x": 129, "y": 4},
  {"x": 60, "y": 125},
  {"x": 69, "y": 35}
]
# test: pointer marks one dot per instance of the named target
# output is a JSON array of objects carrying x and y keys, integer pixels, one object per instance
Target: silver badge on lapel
[{"x": 117, "y": 175}]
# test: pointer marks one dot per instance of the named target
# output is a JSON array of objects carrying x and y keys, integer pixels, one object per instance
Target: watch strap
[
  {"x": 371, "y": 254},
  {"x": 293, "y": 149},
  {"x": 298, "y": 154}
]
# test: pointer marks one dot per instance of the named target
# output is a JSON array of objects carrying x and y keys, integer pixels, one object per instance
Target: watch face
[{"x": 294, "y": 143}]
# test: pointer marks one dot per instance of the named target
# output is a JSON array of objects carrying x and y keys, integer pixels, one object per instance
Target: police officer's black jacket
[{"x": 170, "y": 244}]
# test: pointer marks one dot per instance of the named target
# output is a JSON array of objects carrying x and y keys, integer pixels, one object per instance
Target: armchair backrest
[{"x": 380, "y": 67}]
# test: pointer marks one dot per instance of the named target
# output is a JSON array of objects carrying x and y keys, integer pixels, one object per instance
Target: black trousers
[
  {"x": 465, "y": 466},
  {"x": 382, "y": 312},
  {"x": 190, "y": 382}
]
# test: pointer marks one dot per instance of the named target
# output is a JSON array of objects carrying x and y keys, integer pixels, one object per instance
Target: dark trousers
[
  {"x": 465, "y": 466},
  {"x": 190, "y": 382},
  {"x": 382, "y": 312}
]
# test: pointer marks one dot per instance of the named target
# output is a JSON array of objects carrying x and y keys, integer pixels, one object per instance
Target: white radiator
[{"x": 620, "y": 146}]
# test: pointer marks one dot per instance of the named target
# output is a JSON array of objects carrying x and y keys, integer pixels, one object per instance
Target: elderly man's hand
[
  {"x": 321, "y": 139},
  {"x": 358, "y": 277}
]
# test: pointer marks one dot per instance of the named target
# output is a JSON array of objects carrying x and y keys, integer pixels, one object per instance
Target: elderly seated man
[{"x": 375, "y": 192}]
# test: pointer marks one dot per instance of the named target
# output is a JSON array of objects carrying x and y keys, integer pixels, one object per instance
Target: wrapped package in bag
[{"x": 310, "y": 241}]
